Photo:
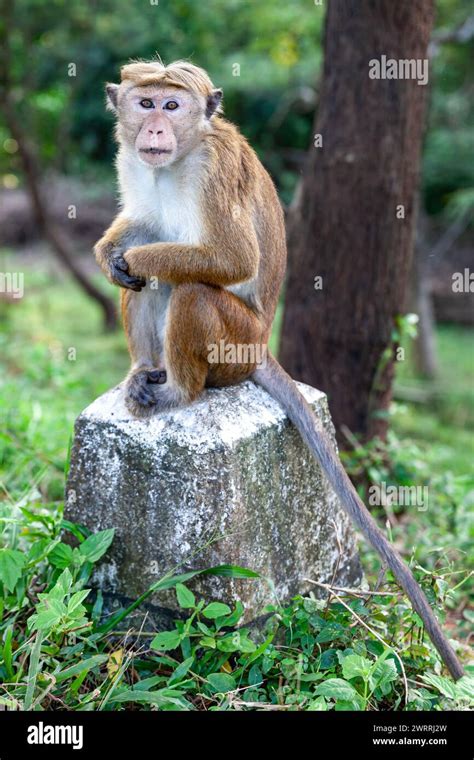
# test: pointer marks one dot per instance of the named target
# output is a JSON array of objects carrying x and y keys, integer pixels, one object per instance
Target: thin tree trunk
[
  {"x": 344, "y": 228},
  {"x": 424, "y": 345}
]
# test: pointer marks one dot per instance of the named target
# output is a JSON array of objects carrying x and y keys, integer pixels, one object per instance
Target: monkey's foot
[
  {"x": 166, "y": 397},
  {"x": 139, "y": 392},
  {"x": 146, "y": 392},
  {"x": 157, "y": 376}
]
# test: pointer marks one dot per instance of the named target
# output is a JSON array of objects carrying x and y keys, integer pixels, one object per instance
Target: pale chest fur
[{"x": 166, "y": 201}]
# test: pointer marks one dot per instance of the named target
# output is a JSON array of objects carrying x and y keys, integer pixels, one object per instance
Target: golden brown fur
[{"x": 241, "y": 244}]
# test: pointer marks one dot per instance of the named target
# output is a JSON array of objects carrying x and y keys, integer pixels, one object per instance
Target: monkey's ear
[
  {"x": 112, "y": 95},
  {"x": 214, "y": 103}
]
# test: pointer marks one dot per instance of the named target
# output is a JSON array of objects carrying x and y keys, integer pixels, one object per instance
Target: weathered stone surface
[{"x": 230, "y": 466}]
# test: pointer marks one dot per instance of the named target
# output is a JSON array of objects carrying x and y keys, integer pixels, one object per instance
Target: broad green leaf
[
  {"x": 205, "y": 629},
  {"x": 336, "y": 688},
  {"x": 63, "y": 585},
  {"x": 343, "y": 705},
  {"x": 328, "y": 659},
  {"x": 355, "y": 666},
  {"x": 465, "y": 688},
  {"x": 233, "y": 618},
  {"x": 229, "y": 643},
  {"x": 255, "y": 675},
  {"x": 221, "y": 682},
  {"x": 50, "y": 612},
  {"x": 186, "y": 598},
  {"x": 237, "y": 641},
  {"x": 246, "y": 645},
  {"x": 318, "y": 705},
  {"x": 44, "y": 620},
  {"x": 76, "y": 600},
  {"x": 12, "y": 563},
  {"x": 41, "y": 548},
  {"x": 311, "y": 676},
  {"x": 208, "y": 641},
  {"x": 384, "y": 673},
  {"x": 61, "y": 556},
  {"x": 166, "y": 640},
  {"x": 216, "y": 610},
  {"x": 94, "y": 547},
  {"x": 444, "y": 685},
  {"x": 330, "y": 632}
]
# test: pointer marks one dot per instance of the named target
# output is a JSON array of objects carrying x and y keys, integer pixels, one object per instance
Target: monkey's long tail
[{"x": 279, "y": 384}]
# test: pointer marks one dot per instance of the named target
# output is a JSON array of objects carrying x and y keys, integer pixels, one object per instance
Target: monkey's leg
[
  {"x": 139, "y": 318},
  {"x": 201, "y": 320}
]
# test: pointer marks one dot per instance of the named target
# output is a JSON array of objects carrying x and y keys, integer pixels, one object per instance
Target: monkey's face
[{"x": 161, "y": 123}]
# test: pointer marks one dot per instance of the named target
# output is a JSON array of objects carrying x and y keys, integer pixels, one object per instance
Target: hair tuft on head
[{"x": 178, "y": 74}]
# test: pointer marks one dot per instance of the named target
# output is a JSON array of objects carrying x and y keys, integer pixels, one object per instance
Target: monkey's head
[{"x": 162, "y": 111}]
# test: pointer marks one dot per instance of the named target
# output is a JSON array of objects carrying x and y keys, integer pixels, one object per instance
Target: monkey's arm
[
  {"x": 227, "y": 256},
  {"x": 175, "y": 263},
  {"x": 109, "y": 252}
]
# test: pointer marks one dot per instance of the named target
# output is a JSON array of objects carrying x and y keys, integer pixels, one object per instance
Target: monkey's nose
[{"x": 155, "y": 132}]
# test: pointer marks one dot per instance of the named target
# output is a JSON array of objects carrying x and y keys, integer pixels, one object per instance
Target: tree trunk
[
  {"x": 345, "y": 227},
  {"x": 424, "y": 345}
]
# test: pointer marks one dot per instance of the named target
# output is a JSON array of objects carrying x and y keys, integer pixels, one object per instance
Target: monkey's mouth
[{"x": 155, "y": 151}]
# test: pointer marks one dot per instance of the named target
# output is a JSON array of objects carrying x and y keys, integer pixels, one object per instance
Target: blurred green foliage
[
  {"x": 448, "y": 169},
  {"x": 278, "y": 48}
]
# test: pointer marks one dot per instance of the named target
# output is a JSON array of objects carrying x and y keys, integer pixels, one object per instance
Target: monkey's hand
[
  {"x": 110, "y": 257},
  {"x": 119, "y": 273}
]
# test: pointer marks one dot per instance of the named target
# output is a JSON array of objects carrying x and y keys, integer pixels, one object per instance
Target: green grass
[
  {"x": 43, "y": 387},
  {"x": 313, "y": 658},
  {"x": 447, "y": 418}
]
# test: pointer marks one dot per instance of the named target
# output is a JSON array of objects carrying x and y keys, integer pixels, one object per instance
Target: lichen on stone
[{"x": 226, "y": 480}]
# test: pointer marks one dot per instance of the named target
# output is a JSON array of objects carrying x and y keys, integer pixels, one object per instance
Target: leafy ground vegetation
[{"x": 358, "y": 650}]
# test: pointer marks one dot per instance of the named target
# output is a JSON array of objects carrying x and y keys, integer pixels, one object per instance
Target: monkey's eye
[
  {"x": 171, "y": 105},
  {"x": 146, "y": 103}
]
